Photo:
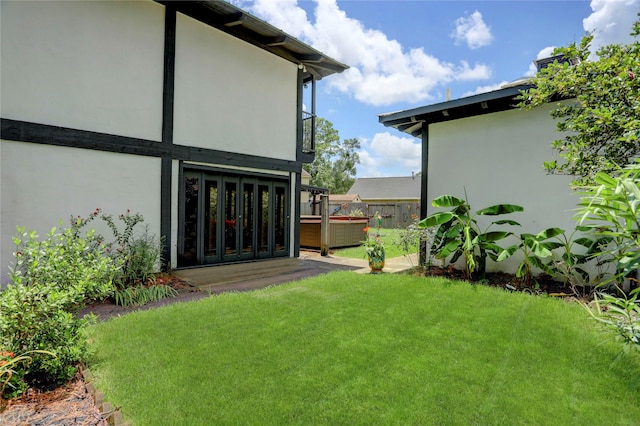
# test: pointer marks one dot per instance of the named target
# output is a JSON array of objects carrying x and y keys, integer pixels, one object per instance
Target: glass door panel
[
  {"x": 189, "y": 250},
  {"x": 227, "y": 218},
  {"x": 280, "y": 218},
  {"x": 211, "y": 220},
  {"x": 247, "y": 218},
  {"x": 230, "y": 219},
  {"x": 263, "y": 219}
]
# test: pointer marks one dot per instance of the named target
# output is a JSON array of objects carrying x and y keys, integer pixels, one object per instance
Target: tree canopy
[
  {"x": 335, "y": 164},
  {"x": 600, "y": 114}
]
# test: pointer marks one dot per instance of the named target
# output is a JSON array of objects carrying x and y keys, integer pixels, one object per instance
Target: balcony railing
[{"x": 308, "y": 132}]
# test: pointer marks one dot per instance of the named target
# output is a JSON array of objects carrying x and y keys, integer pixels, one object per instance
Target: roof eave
[
  {"x": 242, "y": 25},
  {"x": 410, "y": 121}
]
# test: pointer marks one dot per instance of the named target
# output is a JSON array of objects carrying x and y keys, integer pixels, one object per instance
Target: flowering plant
[
  {"x": 373, "y": 245},
  {"x": 8, "y": 365}
]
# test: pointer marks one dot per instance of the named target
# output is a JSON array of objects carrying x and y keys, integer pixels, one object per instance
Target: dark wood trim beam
[
  {"x": 166, "y": 164},
  {"x": 169, "y": 74},
  {"x": 23, "y": 131},
  {"x": 190, "y": 153},
  {"x": 424, "y": 184},
  {"x": 299, "y": 123},
  {"x": 296, "y": 223}
]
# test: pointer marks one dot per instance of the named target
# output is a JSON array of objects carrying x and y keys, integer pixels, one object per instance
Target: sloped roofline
[
  {"x": 411, "y": 120},
  {"x": 240, "y": 24}
]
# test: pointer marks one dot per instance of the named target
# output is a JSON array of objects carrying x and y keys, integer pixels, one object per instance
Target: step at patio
[{"x": 212, "y": 276}]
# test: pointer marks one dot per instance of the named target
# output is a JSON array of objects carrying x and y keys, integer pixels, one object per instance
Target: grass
[
  {"x": 345, "y": 348},
  {"x": 388, "y": 236}
]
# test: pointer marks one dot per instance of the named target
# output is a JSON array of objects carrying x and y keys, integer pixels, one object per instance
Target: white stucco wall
[
  {"x": 86, "y": 65},
  {"x": 232, "y": 96},
  {"x": 41, "y": 184},
  {"x": 498, "y": 159}
]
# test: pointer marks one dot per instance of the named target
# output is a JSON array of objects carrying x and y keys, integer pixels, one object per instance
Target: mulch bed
[
  {"x": 542, "y": 284},
  {"x": 70, "y": 404}
]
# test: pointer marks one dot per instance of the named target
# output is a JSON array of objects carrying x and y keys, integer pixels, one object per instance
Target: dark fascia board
[
  {"x": 317, "y": 189},
  {"x": 242, "y": 25},
  {"x": 483, "y": 103}
]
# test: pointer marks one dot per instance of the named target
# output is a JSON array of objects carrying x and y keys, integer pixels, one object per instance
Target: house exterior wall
[
  {"x": 497, "y": 158},
  {"x": 85, "y": 65},
  {"x": 43, "y": 184},
  {"x": 87, "y": 80},
  {"x": 254, "y": 92}
]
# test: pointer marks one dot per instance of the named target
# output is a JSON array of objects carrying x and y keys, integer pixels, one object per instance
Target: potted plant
[{"x": 374, "y": 247}]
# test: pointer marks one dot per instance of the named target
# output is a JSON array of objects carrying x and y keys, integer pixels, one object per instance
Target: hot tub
[{"x": 344, "y": 231}]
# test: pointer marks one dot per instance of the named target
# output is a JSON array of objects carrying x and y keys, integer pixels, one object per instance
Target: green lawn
[
  {"x": 366, "y": 349},
  {"x": 388, "y": 236}
]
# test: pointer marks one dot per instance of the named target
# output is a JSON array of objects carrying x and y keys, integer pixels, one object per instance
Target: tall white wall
[
  {"x": 85, "y": 65},
  {"x": 497, "y": 158},
  {"x": 232, "y": 96},
  {"x": 41, "y": 184}
]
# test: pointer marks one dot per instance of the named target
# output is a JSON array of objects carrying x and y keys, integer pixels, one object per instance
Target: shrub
[
  {"x": 621, "y": 315},
  {"x": 50, "y": 281},
  {"x": 140, "y": 255},
  {"x": 412, "y": 238},
  {"x": 611, "y": 208}
]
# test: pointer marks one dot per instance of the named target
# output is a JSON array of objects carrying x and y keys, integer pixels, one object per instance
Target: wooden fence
[{"x": 394, "y": 215}]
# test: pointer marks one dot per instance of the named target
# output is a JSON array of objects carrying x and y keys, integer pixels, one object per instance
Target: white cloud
[
  {"x": 473, "y": 31},
  {"x": 611, "y": 21},
  {"x": 382, "y": 72},
  {"x": 398, "y": 156},
  {"x": 485, "y": 89}
]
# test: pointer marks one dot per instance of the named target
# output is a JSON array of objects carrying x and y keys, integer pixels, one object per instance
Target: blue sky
[{"x": 406, "y": 53}]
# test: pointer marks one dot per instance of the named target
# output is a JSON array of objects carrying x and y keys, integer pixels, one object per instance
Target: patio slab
[{"x": 260, "y": 274}]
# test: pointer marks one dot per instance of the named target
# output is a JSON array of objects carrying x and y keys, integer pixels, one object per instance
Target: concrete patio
[{"x": 260, "y": 274}]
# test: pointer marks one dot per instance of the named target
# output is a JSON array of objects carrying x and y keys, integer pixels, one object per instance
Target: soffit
[
  {"x": 240, "y": 24},
  {"x": 411, "y": 121}
]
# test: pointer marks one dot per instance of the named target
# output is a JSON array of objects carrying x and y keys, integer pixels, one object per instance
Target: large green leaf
[
  {"x": 494, "y": 235},
  {"x": 500, "y": 209},
  {"x": 549, "y": 233},
  {"x": 447, "y": 201},
  {"x": 506, "y": 222},
  {"x": 449, "y": 248},
  {"x": 539, "y": 250},
  {"x": 507, "y": 253},
  {"x": 435, "y": 219}
]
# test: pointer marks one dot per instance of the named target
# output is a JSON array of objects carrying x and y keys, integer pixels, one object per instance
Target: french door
[{"x": 230, "y": 218}]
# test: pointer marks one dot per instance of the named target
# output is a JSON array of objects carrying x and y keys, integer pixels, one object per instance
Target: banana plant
[
  {"x": 538, "y": 252},
  {"x": 458, "y": 233},
  {"x": 535, "y": 250}
]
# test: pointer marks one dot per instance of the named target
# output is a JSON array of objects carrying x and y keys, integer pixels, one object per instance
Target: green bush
[
  {"x": 611, "y": 209},
  {"x": 50, "y": 281},
  {"x": 140, "y": 255}
]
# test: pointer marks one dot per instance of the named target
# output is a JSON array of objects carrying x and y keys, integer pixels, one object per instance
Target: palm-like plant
[{"x": 459, "y": 234}]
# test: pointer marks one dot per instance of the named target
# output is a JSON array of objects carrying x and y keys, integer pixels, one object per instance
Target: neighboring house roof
[
  {"x": 344, "y": 198},
  {"x": 410, "y": 121},
  {"x": 238, "y": 23},
  {"x": 387, "y": 188}
]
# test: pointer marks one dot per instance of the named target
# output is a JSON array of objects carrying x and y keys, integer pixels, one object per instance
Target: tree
[
  {"x": 600, "y": 117},
  {"x": 335, "y": 164}
]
